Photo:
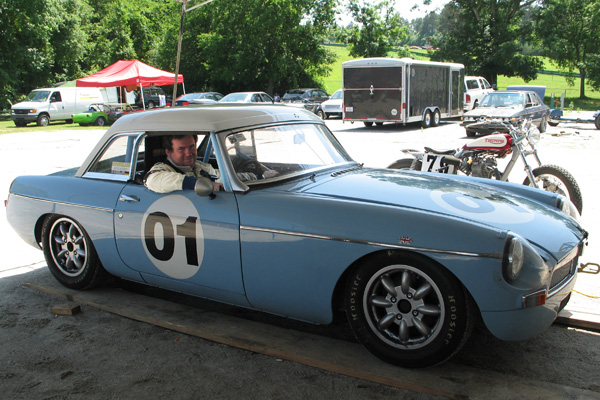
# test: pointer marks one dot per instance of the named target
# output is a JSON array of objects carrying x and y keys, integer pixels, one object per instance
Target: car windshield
[
  {"x": 337, "y": 95},
  {"x": 234, "y": 98},
  {"x": 502, "y": 100},
  {"x": 281, "y": 151},
  {"x": 38, "y": 96}
]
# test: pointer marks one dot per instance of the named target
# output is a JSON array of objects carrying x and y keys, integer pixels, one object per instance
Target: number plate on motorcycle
[{"x": 436, "y": 163}]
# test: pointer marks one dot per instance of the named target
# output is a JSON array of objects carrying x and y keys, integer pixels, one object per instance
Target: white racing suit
[{"x": 165, "y": 178}]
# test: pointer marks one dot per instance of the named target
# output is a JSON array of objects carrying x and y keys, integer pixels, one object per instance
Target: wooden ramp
[{"x": 449, "y": 380}]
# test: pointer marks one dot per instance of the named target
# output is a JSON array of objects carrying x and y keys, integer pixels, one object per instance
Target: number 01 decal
[{"x": 173, "y": 237}]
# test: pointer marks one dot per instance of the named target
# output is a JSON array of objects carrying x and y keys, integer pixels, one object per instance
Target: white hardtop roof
[
  {"x": 208, "y": 118},
  {"x": 391, "y": 62}
]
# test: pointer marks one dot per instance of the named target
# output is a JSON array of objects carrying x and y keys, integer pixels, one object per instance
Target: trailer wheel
[
  {"x": 368, "y": 124},
  {"x": 437, "y": 117},
  {"x": 426, "y": 122}
]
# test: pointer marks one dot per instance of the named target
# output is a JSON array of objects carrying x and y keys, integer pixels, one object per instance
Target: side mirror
[{"x": 204, "y": 187}]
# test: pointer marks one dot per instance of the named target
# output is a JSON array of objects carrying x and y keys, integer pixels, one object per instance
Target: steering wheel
[{"x": 252, "y": 166}]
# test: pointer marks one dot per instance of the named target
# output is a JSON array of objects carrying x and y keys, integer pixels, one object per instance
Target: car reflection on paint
[{"x": 313, "y": 234}]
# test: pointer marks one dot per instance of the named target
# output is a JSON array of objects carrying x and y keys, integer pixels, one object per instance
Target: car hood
[
  {"x": 28, "y": 104},
  {"x": 454, "y": 198},
  {"x": 498, "y": 112}
]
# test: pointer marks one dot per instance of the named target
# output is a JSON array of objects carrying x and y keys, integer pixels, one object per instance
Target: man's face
[{"x": 184, "y": 151}]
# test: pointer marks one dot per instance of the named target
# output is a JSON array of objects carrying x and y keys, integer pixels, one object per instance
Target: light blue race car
[{"x": 412, "y": 258}]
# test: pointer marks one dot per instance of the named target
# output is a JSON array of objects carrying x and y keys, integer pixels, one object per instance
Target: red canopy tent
[{"x": 131, "y": 74}]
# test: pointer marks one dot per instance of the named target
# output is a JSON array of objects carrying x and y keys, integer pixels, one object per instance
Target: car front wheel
[
  {"x": 408, "y": 310},
  {"x": 70, "y": 254}
]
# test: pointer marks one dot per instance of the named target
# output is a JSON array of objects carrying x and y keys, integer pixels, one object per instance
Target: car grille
[
  {"x": 21, "y": 112},
  {"x": 565, "y": 269}
]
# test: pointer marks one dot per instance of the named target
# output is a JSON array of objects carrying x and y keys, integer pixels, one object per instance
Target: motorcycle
[{"x": 480, "y": 157}]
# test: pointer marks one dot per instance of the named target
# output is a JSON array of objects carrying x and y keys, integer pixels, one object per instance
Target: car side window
[
  {"x": 116, "y": 158},
  {"x": 55, "y": 98},
  {"x": 533, "y": 100}
]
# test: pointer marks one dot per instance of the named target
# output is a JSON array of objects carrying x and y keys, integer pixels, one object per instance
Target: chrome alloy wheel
[
  {"x": 68, "y": 247},
  {"x": 404, "y": 307}
]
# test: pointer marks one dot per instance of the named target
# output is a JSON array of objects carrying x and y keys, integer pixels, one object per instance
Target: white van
[
  {"x": 476, "y": 87},
  {"x": 56, "y": 104}
]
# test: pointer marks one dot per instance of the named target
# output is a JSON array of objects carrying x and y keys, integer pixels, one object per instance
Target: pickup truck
[{"x": 476, "y": 87}]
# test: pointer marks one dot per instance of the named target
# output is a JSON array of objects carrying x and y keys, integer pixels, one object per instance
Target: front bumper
[
  {"x": 528, "y": 322},
  {"x": 483, "y": 128}
]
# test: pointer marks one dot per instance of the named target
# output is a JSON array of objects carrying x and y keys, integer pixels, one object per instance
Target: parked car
[
  {"x": 318, "y": 234},
  {"x": 95, "y": 115},
  {"x": 247, "y": 97},
  {"x": 117, "y": 112},
  {"x": 154, "y": 96},
  {"x": 198, "y": 98},
  {"x": 305, "y": 96},
  {"x": 506, "y": 105},
  {"x": 476, "y": 87},
  {"x": 333, "y": 106}
]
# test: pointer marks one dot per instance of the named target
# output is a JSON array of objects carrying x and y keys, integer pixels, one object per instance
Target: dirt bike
[{"x": 480, "y": 158}]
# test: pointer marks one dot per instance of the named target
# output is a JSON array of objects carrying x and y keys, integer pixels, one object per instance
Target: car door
[
  {"x": 181, "y": 241},
  {"x": 534, "y": 109}
]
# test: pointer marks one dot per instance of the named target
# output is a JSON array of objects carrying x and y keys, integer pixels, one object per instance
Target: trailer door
[
  {"x": 373, "y": 93},
  {"x": 457, "y": 92}
]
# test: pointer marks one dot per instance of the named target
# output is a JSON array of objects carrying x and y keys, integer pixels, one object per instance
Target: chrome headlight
[
  {"x": 567, "y": 206},
  {"x": 514, "y": 256},
  {"x": 522, "y": 264},
  {"x": 533, "y": 135}
]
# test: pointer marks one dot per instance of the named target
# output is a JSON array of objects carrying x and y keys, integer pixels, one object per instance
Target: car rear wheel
[
  {"x": 150, "y": 104},
  {"x": 408, "y": 310},
  {"x": 70, "y": 254},
  {"x": 406, "y": 163},
  {"x": 100, "y": 121},
  {"x": 321, "y": 114}
]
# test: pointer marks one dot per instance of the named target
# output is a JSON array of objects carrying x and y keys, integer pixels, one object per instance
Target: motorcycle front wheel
[
  {"x": 406, "y": 163},
  {"x": 556, "y": 179}
]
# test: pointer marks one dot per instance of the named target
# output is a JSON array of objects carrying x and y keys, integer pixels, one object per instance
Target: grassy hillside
[{"x": 554, "y": 83}]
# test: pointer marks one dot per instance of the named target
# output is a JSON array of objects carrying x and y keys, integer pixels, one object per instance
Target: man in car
[{"x": 181, "y": 170}]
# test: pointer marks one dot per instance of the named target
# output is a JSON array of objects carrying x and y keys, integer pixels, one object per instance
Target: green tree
[
  {"x": 570, "y": 33},
  {"x": 487, "y": 36},
  {"x": 270, "y": 45},
  {"x": 125, "y": 30},
  {"x": 42, "y": 42},
  {"x": 376, "y": 30}
]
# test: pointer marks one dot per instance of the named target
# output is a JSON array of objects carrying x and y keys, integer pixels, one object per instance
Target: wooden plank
[{"x": 448, "y": 380}]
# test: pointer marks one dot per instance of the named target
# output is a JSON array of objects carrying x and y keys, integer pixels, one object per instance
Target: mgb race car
[{"x": 412, "y": 258}]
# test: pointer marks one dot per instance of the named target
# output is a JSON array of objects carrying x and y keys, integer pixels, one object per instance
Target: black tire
[
  {"x": 150, "y": 104},
  {"x": 543, "y": 125},
  {"x": 426, "y": 122},
  {"x": 405, "y": 163},
  {"x": 43, "y": 120},
  {"x": 556, "y": 179},
  {"x": 368, "y": 124},
  {"x": 552, "y": 123},
  {"x": 68, "y": 121},
  {"x": 100, "y": 121},
  {"x": 597, "y": 121},
  {"x": 475, "y": 105},
  {"x": 70, "y": 254},
  {"x": 321, "y": 114},
  {"x": 470, "y": 133},
  {"x": 20, "y": 124},
  {"x": 379, "y": 123},
  {"x": 436, "y": 119},
  {"x": 408, "y": 310}
]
